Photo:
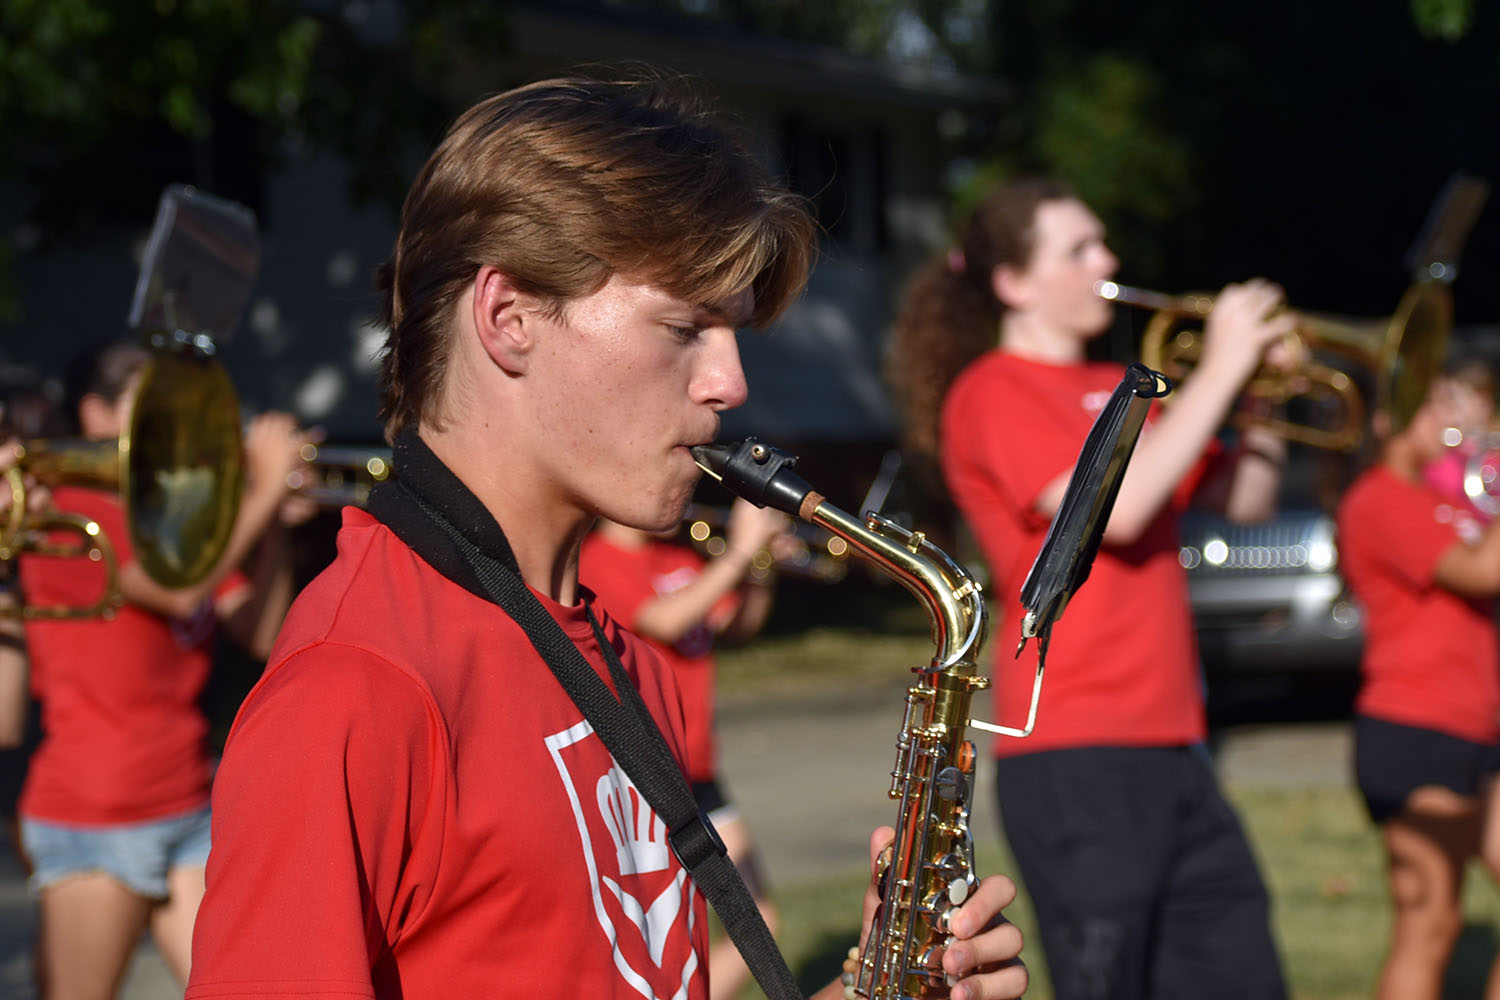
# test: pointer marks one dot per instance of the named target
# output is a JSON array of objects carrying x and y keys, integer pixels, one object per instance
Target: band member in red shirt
[
  {"x": 1427, "y": 716},
  {"x": 410, "y": 804},
  {"x": 114, "y": 812},
  {"x": 1143, "y": 882}
]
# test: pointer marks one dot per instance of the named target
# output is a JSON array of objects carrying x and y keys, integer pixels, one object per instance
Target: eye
[{"x": 683, "y": 333}]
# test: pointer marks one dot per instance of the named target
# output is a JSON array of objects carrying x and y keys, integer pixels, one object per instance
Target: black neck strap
[{"x": 430, "y": 509}]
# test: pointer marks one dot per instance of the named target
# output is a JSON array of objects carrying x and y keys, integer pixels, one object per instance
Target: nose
[
  {"x": 1109, "y": 261},
  {"x": 718, "y": 378}
]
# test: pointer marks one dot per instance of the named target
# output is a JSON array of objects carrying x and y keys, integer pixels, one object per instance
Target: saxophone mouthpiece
[
  {"x": 757, "y": 472},
  {"x": 711, "y": 458}
]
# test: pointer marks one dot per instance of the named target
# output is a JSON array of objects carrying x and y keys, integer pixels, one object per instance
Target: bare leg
[
  {"x": 172, "y": 921},
  {"x": 89, "y": 927},
  {"x": 1489, "y": 852},
  {"x": 1427, "y": 845},
  {"x": 727, "y": 972}
]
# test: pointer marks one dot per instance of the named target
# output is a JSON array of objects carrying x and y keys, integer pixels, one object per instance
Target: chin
[{"x": 664, "y": 514}]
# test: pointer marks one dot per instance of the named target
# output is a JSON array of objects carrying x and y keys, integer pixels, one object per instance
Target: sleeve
[
  {"x": 999, "y": 452},
  {"x": 330, "y": 776}
]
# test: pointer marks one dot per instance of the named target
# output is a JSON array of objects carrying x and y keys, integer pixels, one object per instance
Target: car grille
[{"x": 1289, "y": 544}]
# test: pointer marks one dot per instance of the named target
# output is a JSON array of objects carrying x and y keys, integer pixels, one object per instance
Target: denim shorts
[{"x": 139, "y": 855}]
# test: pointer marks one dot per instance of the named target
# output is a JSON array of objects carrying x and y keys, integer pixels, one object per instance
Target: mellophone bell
[
  {"x": 179, "y": 471},
  {"x": 177, "y": 468}
]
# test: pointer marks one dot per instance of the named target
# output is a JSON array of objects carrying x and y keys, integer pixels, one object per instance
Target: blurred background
[
  {"x": 1305, "y": 142},
  {"x": 1299, "y": 141},
  {"x": 1302, "y": 142}
]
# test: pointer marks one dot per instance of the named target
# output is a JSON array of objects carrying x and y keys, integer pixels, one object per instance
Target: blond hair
[{"x": 564, "y": 183}]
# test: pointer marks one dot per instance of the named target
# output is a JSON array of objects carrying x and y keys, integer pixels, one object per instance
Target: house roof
[{"x": 576, "y": 32}]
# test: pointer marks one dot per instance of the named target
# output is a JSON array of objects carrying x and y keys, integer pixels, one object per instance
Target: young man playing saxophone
[{"x": 410, "y": 805}]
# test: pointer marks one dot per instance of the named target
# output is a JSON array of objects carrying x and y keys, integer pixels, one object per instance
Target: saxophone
[{"x": 929, "y": 868}]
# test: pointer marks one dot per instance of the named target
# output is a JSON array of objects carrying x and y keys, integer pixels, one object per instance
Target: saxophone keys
[{"x": 949, "y": 978}]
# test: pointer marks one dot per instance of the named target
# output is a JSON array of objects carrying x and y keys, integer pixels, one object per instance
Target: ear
[
  {"x": 504, "y": 319},
  {"x": 98, "y": 417},
  {"x": 1008, "y": 285}
]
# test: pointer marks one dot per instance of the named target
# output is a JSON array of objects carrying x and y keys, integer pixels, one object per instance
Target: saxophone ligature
[{"x": 928, "y": 870}]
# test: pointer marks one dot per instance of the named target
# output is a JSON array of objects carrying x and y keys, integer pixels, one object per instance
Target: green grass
[{"x": 1319, "y": 853}]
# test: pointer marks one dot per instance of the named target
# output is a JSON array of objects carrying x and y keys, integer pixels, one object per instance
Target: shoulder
[
  {"x": 983, "y": 372},
  {"x": 333, "y": 687},
  {"x": 1372, "y": 494},
  {"x": 374, "y": 583}
]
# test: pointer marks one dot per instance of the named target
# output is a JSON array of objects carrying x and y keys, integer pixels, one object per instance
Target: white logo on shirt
[
  {"x": 1094, "y": 400},
  {"x": 1465, "y": 525},
  {"x": 645, "y": 905}
]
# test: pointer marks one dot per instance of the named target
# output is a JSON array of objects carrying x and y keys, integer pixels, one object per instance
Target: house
[{"x": 863, "y": 138}]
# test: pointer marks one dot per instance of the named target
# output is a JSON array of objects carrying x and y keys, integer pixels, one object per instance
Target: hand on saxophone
[{"x": 984, "y": 961}]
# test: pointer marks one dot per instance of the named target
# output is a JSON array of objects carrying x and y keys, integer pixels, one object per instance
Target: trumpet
[
  {"x": 340, "y": 475},
  {"x": 821, "y": 556},
  {"x": 1482, "y": 476},
  {"x": 1402, "y": 352},
  {"x": 177, "y": 468},
  {"x": 1469, "y": 472}
]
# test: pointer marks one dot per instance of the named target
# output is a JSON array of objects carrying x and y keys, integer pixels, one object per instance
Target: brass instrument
[
  {"x": 929, "y": 869},
  {"x": 177, "y": 469},
  {"x": 1403, "y": 352},
  {"x": 1469, "y": 472},
  {"x": 822, "y": 556},
  {"x": 1482, "y": 475},
  {"x": 341, "y": 474},
  {"x": 35, "y": 532}
]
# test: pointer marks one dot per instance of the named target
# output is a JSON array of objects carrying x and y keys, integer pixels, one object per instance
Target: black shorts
[
  {"x": 1392, "y": 760},
  {"x": 711, "y": 799},
  {"x": 716, "y": 805},
  {"x": 1143, "y": 883}
]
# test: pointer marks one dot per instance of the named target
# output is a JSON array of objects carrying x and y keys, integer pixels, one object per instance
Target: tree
[{"x": 101, "y": 100}]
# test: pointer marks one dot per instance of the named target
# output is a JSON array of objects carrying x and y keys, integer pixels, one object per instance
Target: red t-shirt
[
  {"x": 1122, "y": 668},
  {"x": 123, "y": 732},
  {"x": 625, "y": 579},
  {"x": 411, "y": 807},
  {"x": 1431, "y": 657}
]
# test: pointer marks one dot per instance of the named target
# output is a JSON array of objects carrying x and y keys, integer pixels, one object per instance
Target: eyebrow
[{"x": 721, "y": 312}]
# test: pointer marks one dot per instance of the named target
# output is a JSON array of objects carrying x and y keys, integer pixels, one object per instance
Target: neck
[
  {"x": 544, "y": 536},
  {"x": 1401, "y": 457},
  {"x": 622, "y": 535},
  {"x": 1027, "y": 335}
]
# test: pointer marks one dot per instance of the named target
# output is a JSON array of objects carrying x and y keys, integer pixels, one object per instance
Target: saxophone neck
[{"x": 763, "y": 475}]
